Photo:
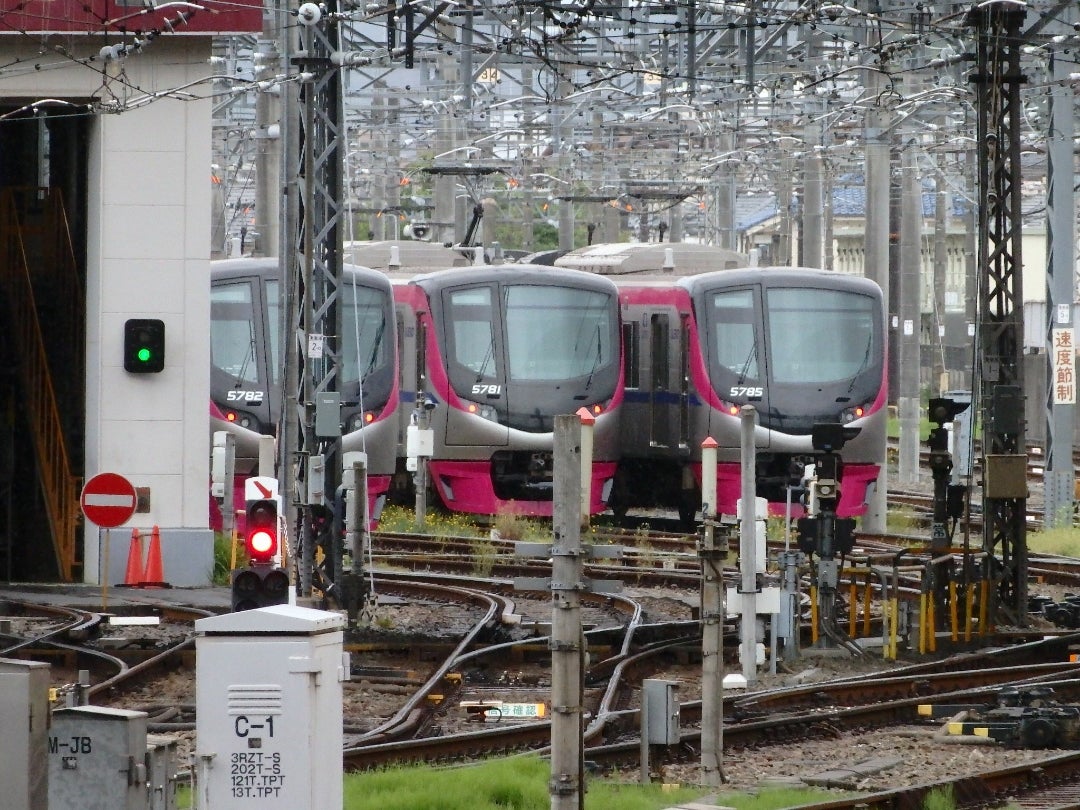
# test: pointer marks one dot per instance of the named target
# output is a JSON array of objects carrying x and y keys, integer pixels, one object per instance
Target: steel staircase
[{"x": 38, "y": 275}]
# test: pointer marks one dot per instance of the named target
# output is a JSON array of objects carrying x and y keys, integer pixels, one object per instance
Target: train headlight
[
  {"x": 856, "y": 412},
  {"x": 244, "y": 420},
  {"x": 360, "y": 420},
  {"x": 486, "y": 411},
  {"x": 597, "y": 408},
  {"x": 730, "y": 408}
]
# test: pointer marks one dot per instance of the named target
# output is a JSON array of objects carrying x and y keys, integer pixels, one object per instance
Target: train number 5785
[{"x": 751, "y": 392}]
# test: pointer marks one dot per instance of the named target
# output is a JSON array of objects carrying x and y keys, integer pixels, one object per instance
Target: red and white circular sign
[{"x": 108, "y": 500}]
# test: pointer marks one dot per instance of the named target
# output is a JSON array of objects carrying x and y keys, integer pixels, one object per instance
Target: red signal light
[{"x": 261, "y": 538}]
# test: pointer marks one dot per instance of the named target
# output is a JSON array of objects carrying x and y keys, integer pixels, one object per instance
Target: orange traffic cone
[
  {"x": 153, "y": 576},
  {"x": 133, "y": 576}
]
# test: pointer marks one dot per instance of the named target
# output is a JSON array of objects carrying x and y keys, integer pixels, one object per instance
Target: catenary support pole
[
  {"x": 712, "y": 624},
  {"x": 748, "y": 587},
  {"x": 567, "y": 636},
  {"x": 876, "y": 252},
  {"x": 1059, "y": 478},
  {"x": 911, "y": 219}
]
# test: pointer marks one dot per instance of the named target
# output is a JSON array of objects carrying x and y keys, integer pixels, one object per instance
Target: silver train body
[
  {"x": 802, "y": 346},
  {"x": 497, "y": 352},
  {"x": 247, "y": 362}
]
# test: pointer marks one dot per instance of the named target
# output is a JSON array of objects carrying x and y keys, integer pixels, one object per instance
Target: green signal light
[{"x": 144, "y": 355}]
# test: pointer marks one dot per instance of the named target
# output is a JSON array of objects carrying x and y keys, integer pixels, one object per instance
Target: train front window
[
  {"x": 473, "y": 336},
  {"x": 820, "y": 335},
  {"x": 364, "y": 322},
  {"x": 557, "y": 333},
  {"x": 732, "y": 320},
  {"x": 232, "y": 331}
]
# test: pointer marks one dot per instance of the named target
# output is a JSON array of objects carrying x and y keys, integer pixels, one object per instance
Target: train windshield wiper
[
  {"x": 748, "y": 362},
  {"x": 596, "y": 360},
  {"x": 374, "y": 349},
  {"x": 241, "y": 375},
  {"x": 862, "y": 366},
  {"x": 487, "y": 359}
]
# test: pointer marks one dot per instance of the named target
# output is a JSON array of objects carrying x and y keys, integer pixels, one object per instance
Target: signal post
[{"x": 263, "y": 582}]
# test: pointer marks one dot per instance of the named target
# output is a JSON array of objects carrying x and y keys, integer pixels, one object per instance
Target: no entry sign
[{"x": 108, "y": 500}]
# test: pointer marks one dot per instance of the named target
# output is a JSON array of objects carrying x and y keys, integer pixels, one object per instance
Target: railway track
[{"x": 627, "y": 649}]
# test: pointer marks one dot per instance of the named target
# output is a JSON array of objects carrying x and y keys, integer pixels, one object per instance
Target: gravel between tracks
[{"x": 913, "y": 755}]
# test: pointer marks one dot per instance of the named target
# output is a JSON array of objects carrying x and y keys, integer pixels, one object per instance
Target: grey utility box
[
  {"x": 24, "y": 718},
  {"x": 268, "y": 699},
  {"x": 97, "y": 759},
  {"x": 162, "y": 764},
  {"x": 662, "y": 711}
]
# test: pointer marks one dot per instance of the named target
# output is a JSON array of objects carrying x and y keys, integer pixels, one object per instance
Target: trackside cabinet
[
  {"x": 97, "y": 759},
  {"x": 24, "y": 718},
  {"x": 268, "y": 699},
  {"x": 662, "y": 711}
]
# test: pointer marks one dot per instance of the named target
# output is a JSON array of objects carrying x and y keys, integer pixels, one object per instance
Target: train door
[
  {"x": 475, "y": 359},
  {"x": 661, "y": 412},
  {"x": 736, "y": 357},
  {"x": 238, "y": 378},
  {"x": 408, "y": 383}
]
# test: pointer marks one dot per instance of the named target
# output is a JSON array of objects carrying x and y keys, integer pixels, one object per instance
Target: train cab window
[
  {"x": 364, "y": 344},
  {"x": 827, "y": 335},
  {"x": 732, "y": 319},
  {"x": 556, "y": 333},
  {"x": 473, "y": 335},
  {"x": 232, "y": 331}
]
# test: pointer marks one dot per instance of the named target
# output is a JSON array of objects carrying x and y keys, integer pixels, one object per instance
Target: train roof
[
  {"x": 789, "y": 276},
  {"x": 271, "y": 266},
  {"x": 411, "y": 256},
  {"x": 645, "y": 258},
  {"x": 514, "y": 273}
]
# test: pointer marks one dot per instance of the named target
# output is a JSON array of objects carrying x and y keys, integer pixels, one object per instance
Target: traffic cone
[
  {"x": 153, "y": 576},
  {"x": 133, "y": 575}
]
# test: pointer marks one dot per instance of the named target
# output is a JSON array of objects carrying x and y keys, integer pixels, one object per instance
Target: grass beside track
[{"x": 521, "y": 783}]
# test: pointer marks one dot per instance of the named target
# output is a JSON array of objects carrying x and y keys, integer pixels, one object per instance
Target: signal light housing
[
  {"x": 144, "y": 345},
  {"x": 259, "y": 585},
  {"x": 261, "y": 531}
]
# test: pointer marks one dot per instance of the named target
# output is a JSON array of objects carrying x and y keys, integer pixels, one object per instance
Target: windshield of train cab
[
  {"x": 814, "y": 336},
  {"x": 558, "y": 333},
  {"x": 551, "y": 332},
  {"x": 232, "y": 331},
  {"x": 365, "y": 340},
  {"x": 827, "y": 335}
]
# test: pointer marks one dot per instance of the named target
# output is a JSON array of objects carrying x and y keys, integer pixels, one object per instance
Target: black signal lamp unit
[{"x": 144, "y": 345}]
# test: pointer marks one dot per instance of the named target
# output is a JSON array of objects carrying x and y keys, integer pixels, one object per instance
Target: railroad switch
[{"x": 1021, "y": 718}]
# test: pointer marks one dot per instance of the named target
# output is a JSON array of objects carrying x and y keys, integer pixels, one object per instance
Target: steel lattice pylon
[
  {"x": 1000, "y": 343},
  {"x": 315, "y": 270}
]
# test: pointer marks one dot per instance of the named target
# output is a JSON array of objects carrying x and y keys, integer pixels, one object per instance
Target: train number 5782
[
  {"x": 253, "y": 397},
  {"x": 751, "y": 392}
]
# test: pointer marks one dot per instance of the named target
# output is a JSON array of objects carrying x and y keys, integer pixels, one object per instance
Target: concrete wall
[{"x": 147, "y": 256}]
